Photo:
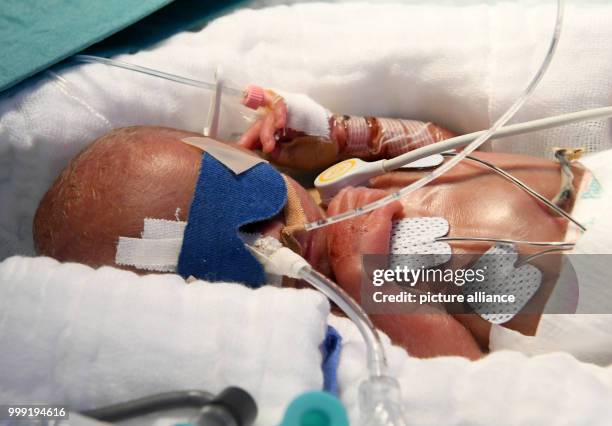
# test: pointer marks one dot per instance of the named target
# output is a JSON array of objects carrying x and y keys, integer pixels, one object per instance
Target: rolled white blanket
[{"x": 74, "y": 335}]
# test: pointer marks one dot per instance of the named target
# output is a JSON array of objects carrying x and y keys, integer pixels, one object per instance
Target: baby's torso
[{"x": 478, "y": 202}]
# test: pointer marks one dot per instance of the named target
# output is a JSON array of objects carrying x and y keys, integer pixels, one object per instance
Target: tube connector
[
  {"x": 253, "y": 97},
  {"x": 285, "y": 262},
  {"x": 380, "y": 402},
  {"x": 277, "y": 259}
]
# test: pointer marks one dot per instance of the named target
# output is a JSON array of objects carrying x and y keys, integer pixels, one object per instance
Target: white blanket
[
  {"x": 77, "y": 336},
  {"x": 459, "y": 66},
  {"x": 505, "y": 388},
  {"x": 85, "y": 338}
]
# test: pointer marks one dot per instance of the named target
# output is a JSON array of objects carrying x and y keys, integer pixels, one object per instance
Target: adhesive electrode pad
[
  {"x": 415, "y": 238},
  {"x": 505, "y": 279}
]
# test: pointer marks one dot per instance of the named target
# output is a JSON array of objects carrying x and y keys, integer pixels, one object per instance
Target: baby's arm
[
  {"x": 368, "y": 138},
  {"x": 426, "y": 333}
]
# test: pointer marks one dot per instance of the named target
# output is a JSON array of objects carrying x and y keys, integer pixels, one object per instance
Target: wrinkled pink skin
[
  {"x": 476, "y": 203},
  {"x": 133, "y": 173},
  {"x": 295, "y": 149}
]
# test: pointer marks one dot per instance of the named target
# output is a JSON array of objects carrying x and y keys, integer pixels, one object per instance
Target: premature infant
[{"x": 141, "y": 172}]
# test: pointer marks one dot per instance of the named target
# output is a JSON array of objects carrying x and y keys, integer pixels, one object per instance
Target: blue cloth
[
  {"x": 36, "y": 34},
  {"x": 332, "y": 346},
  {"x": 222, "y": 203}
]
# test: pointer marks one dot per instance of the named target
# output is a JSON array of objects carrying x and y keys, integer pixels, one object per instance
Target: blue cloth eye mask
[{"x": 223, "y": 202}]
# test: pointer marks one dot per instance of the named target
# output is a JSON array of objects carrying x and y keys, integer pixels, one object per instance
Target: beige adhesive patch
[{"x": 234, "y": 159}]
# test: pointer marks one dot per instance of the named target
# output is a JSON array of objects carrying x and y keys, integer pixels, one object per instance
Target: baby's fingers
[
  {"x": 280, "y": 114},
  {"x": 250, "y": 138},
  {"x": 378, "y": 224},
  {"x": 267, "y": 134}
]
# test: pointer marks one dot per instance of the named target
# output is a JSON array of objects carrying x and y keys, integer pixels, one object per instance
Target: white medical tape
[
  {"x": 162, "y": 228},
  {"x": 157, "y": 250},
  {"x": 502, "y": 277},
  {"x": 160, "y": 247},
  {"x": 414, "y": 239},
  {"x": 306, "y": 115},
  {"x": 149, "y": 254}
]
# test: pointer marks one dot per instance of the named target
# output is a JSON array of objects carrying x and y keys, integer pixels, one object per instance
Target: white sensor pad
[
  {"x": 416, "y": 237},
  {"x": 503, "y": 278}
]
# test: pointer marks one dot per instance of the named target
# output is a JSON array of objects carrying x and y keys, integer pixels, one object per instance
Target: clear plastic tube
[
  {"x": 376, "y": 354},
  {"x": 469, "y": 149},
  {"x": 524, "y": 187},
  {"x": 379, "y": 395},
  {"x": 227, "y": 103},
  {"x": 155, "y": 73}
]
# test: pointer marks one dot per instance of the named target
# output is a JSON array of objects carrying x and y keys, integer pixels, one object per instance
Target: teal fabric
[
  {"x": 178, "y": 16},
  {"x": 36, "y": 34}
]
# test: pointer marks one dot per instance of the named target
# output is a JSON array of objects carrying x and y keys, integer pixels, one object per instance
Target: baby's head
[{"x": 128, "y": 175}]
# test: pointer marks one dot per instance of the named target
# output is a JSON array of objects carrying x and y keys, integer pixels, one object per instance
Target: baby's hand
[
  {"x": 294, "y": 132},
  {"x": 262, "y": 134},
  {"x": 424, "y": 334},
  {"x": 348, "y": 240}
]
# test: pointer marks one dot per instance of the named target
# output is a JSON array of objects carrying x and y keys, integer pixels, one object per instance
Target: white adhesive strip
[
  {"x": 157, "y": 250},
  {"x": 415, "y": 238},
  {"x": 162, "y": 228},
  {"x": 502, "y": 278},
  {"x": 160, "y": 246},
  {"x": 149, "y": 254}
]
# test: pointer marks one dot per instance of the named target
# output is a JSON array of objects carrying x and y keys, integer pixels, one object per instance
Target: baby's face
[
  {"x": 124, "y": 177},
  {"x": 313, "y": 244}
]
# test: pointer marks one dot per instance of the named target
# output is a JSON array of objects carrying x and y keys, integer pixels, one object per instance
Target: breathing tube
[
  {"x": 471, "y": 147},
  {"x": 379, "y": 394}
]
